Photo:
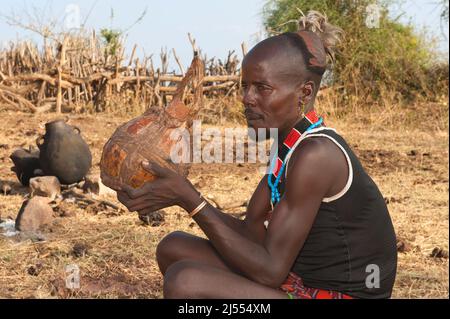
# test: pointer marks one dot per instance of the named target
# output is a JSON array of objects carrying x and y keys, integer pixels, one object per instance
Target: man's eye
[{"x": 263, "y": 88}]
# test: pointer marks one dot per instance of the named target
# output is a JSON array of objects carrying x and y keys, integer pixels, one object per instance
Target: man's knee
[
  {"x": 180, "y": 280},
  {"x": 169, "y": 245}
]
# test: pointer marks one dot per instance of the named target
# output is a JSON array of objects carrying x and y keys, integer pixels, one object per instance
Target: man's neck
[{"x": 283, "y": 134}]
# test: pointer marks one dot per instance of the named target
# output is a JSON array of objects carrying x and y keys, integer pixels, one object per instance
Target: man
[{"x": 317, "y": 227}]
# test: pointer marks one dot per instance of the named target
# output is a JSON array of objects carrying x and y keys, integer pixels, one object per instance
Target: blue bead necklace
[{"x": 310, "y": 122}]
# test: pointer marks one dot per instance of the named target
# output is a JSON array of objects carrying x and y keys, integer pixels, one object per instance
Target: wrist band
[{"x": 198, "y": 209}]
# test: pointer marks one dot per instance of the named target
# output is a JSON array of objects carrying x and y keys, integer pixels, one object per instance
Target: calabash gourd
[{"x": 149, "y": 136}]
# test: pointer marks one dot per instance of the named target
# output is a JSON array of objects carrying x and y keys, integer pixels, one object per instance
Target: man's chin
[{"x": 258, "y": 134}]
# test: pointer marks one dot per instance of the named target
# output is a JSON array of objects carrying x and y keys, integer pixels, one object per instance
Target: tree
[
  {"x": 444, "y": 13},
  {"x": 375, "y": 56},
  {"x": 112, "y": 38}
]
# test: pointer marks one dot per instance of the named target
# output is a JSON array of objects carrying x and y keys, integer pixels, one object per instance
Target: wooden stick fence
[{"x": 82, "y": 71}]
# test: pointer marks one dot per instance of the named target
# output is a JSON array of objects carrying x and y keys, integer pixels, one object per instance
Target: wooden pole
[
  {"x": 138, "y": 82},
  {"x": 178, "y": 62},
  {"x": 59, "y": 93},
  {"x": 244, "y": 49}
]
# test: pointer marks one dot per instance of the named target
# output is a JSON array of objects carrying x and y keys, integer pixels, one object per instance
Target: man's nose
[{"x": 248, "y": 98}]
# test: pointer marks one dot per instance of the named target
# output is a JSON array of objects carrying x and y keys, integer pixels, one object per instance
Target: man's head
[{"x": 281, "y": 77}]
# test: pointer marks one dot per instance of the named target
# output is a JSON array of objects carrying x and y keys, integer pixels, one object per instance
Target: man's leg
[
  {"x": 180, "y": 246},
  {"x": 196, "y": 280}
]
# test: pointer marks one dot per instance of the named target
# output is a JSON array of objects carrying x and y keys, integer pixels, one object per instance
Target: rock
[
  {"x": 45, "y": 186},
  {"x": 35, "y": 270},
  {"x": 80, "y": 250},
  {"x": 402, "y": 246},
  {"x": 93, "y": 184},
  {"x": 34, "y": 214},
  {"x": 153, "y": 219},
  {"x": 439, "y": 253}
]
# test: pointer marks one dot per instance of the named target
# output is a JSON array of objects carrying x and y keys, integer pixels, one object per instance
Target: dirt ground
[{"x": 117, "y": 260}]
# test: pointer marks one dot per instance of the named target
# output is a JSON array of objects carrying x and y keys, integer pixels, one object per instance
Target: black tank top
[{"x": 352, "y": 242}]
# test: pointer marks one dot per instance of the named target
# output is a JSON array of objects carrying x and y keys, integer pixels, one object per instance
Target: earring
[{"x": 300, "y": 107}]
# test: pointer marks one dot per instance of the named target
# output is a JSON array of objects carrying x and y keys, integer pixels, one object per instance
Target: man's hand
[{"x": 169, "y": 189}]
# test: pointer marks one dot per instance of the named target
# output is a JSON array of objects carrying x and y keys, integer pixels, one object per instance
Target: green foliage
[
  {"x": 111, "y": 39},
  {"x": 392, "y": 57}
]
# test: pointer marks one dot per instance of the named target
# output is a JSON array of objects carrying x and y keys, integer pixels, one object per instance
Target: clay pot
[
  {"x": 148, "y": 137},
  {"x": 26, "y": 165},
  {"x": 64, "y": 153}
]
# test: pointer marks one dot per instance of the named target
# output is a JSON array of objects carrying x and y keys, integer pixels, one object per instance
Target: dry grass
[{"x": 120, "y": 259}]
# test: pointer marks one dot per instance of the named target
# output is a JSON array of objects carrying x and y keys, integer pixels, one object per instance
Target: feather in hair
[{"x": 317, "y": 22}]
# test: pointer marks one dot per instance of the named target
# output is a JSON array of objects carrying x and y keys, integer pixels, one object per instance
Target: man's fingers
[
  {"x": 147, "y": 207},
  {"x": 123, "y": 197},
  {"x": 139, "y": 192},
  {"x": 129, "y": 203},
  {"x": 133, "y": 193},
  {"x": 156, "y": 169}
]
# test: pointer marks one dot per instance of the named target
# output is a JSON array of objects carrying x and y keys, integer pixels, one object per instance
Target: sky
[{"x": 217, "y": 25}]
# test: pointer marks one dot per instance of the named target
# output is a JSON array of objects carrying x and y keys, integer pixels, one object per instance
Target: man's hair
[{"x": 316, "y": 39}]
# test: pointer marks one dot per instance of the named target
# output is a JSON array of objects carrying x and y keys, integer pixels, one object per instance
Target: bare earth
[{"x": 117, "y": 259}]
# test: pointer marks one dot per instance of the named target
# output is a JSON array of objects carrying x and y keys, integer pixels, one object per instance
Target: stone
[
  {"x": 80, "y": 250},
  {"x": 402, "y": 246},
  {"x": 45, "y": 186},
  {"x": 35, "y": 270},
  {"x": 439, "y": 253},
  {"x": 153, "y": 219},
  {"x": 93, "y": 184},
  {"x": 34, "y": 213}
]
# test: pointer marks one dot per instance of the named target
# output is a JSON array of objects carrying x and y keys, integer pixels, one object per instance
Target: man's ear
[{"x": 307, "y": 92}]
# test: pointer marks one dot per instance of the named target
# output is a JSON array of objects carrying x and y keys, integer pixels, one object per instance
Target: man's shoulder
[
  {"x": 319, "y": 154},
  {"x": 314, "y": 148}
]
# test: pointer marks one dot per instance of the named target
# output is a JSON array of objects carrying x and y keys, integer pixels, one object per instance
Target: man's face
[{"x": 269, "y": 93}]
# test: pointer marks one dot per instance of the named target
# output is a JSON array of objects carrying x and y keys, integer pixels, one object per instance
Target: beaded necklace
[{"x": 308, "y": 122}]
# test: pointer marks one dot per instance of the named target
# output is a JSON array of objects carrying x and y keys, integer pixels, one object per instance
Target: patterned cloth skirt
[{"x": 295, "y": 289}]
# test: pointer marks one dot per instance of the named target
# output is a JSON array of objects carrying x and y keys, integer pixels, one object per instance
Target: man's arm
[
  {"x": 253, "y": 225},
  {"x": 268, "y": 261}
]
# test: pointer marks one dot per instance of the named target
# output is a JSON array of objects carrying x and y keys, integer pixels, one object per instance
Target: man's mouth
[{"x": 251, "y": 116}]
